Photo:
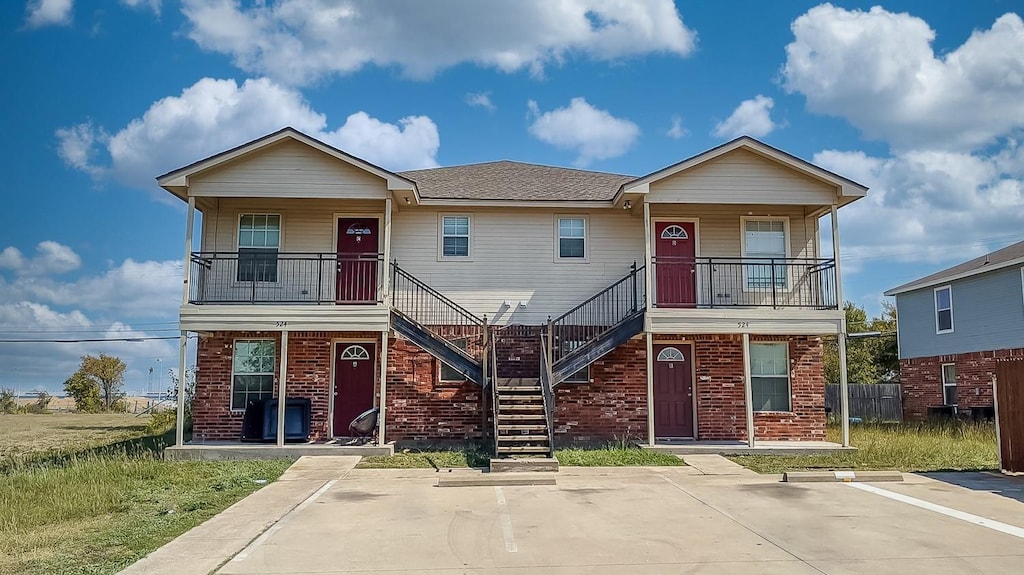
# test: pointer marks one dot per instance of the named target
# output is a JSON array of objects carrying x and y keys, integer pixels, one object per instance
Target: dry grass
[{"x": 26, "y": 436}]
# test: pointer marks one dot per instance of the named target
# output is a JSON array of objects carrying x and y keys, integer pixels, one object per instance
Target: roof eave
[{"x": 916, "y": 285}]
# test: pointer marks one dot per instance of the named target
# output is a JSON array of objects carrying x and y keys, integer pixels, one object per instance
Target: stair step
[
  {"x": 522, "y": 449},
  {"x": 521, "y": 407},
  {"x": 517, "y": 388},
  {"x": 516, "y": 437},
  {"x": 531, "y": 381},
  {"x": 523, "y": 427},
  {"x": 507, "y": 416},
  {"x": 537, "y": 398}
]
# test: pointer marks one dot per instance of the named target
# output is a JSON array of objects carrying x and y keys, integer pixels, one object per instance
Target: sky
[{"x": 922, "y": 101}]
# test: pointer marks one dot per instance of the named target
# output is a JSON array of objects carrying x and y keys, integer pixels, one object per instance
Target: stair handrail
[
  {"x": 398, "y": 272},
  {"x": 494, "y": 390},
  {"x": 546, "y": 390}
]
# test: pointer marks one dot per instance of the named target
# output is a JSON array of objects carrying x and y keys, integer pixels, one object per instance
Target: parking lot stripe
[
  {"x": 506, "y": 521},
  {"x": 948, "y": 511}
]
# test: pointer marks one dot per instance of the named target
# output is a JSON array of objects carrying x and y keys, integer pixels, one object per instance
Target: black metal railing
[
  {"x": 681, "y": 282},
  {"x": 433, "y": 310},
  {"x": 492, "y": 351},
  {"x": 272, "y": 277},
  {"x": 599, "y": 313},
  {"x": 548, "y": 393}
]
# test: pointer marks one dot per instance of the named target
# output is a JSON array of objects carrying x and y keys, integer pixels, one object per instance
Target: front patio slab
[
  {"x": 238, "y": 450},
  {"x": 688, "y": 447}
]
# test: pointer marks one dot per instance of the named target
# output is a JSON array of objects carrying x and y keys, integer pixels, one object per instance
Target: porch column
[
  {"x": 282, "y": 400},
  {"x": 179, "y": 427},
  {"x": 381, "y": 404},
  {"x": 648, "y": 265},
  {"x": 187, "y": 262},
  {"x": 650, "y": 388},
  {"x": 844, "y": 390},
  {"x": 748, "y": 400},
  {"x": 385, "y": 281}
]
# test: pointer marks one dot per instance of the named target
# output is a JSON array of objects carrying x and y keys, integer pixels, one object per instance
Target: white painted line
[
  {"x": 281, "y": 522},
  {"x": 506, "y": 521},
  {"x": 846, "y": 475},
  {"x": 961, "y": 515}
]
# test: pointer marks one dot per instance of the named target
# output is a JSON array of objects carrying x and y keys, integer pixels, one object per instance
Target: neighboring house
[
  {"x": 953, "y": 326},
  {"x": 604, "y": 305}
]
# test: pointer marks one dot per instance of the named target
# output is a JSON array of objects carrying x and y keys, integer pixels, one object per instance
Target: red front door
[
  {"x": 674, "y": 250},
  {"x": 357, "y": 260},
  {"x": 673, "y": 390},
  {"x": 353, "y": 382}
]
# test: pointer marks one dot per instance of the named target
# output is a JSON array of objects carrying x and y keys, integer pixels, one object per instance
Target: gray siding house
[{"x": 953, "y": 327}]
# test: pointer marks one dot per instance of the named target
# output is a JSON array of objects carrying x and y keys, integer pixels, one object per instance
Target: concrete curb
[
  {"x": 842, "y": 476},
  {"x": 501, "y": 480}
]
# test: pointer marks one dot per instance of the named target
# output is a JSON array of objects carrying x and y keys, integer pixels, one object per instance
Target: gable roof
[
  {"x": 177, "y": 180},
  {"x": 1011, "y": 255},
  {"x": 507, "y": 180},
  {"x": 846, "y": 186}
]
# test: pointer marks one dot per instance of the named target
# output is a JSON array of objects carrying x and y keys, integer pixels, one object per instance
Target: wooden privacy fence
[
  {"x": 1010, "y": 414},
  {"x": 869, "y": 401}
]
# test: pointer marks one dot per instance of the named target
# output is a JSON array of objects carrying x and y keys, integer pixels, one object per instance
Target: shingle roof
[
  {"x": 506, "y": 180},
  {"x": 994, "y": 260}
]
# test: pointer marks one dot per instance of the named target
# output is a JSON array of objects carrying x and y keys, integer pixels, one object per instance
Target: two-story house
[
  {"x": 533, "y": 303},
  {"x": 953, "y": 326}
]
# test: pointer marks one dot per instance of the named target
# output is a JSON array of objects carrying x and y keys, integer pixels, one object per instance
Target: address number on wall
[
  {"x": 743, "y": 324},
  {"x": 281, "y": 324}
]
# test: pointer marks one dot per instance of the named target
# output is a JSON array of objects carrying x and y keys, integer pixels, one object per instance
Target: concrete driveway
[{"x": 641, "y": 520}]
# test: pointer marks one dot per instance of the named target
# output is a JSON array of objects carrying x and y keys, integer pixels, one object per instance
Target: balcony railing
[
  {"x": 681, "y": 282},
  {"x": 272, "y": 277}
]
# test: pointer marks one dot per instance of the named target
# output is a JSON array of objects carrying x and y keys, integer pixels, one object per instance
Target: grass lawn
[
  {"x": 86, "y": 507},
  {"x": 611, "y": 456},
  {"x": 910, "y": 447}
]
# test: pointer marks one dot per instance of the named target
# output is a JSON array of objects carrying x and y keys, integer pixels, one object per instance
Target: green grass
[
  {"x": 614, "y": 456},
  {"x": 27, "y": 438},
  {"x": 909, "y": 447},
  {"x": 426, "y": 459}
]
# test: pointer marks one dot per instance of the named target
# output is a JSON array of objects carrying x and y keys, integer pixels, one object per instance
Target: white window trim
[
  {"x": 788, "y": 240},
  {"x": 586, "y": 239},
  {"x": 945, "y": 384},
  {"x": 235, "y": 284},
  {"x": 789, "y": 377},
  {"x": 935, "y": 307},
  {"x": 440, "y": 238},
  {"x": 231, "y": 384}
]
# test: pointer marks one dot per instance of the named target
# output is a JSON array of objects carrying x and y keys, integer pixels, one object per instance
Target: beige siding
[
  {"x": 720, "y": 228},
  {"x": 513, "y": 259},
  {"x": 742, "y": 177},
  {"x": 288, "y": 170}
]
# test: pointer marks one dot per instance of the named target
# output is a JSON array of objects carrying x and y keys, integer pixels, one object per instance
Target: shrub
[
  {"x": 161, "y": 421},
  {"x": 7, "y": 403}
]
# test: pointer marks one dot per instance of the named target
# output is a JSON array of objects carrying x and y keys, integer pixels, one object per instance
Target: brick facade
[{"x": 921, "y": 380}]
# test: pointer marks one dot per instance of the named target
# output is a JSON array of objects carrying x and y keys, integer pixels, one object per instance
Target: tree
[
  {"x": 85, "y": 391},
  {"x": 98, "y": 379},
  {"x": 190, "y": 391},
  {"x": 870, "y": 359},
  {"x": 7, "y": 403}
]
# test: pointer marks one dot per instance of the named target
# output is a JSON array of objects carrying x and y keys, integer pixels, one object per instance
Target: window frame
[
  {"x": 441, "y": 235},
  {"x": 789, "y": 378},
  {"x": 272, "y": 373},
  {"x": 946, "y": 384},
  {"x": 935, "y": 304},
  {"x": 787, "y": 240},
  {"x": 558, "y": 258},
  {"x": 239, "y": 248}
]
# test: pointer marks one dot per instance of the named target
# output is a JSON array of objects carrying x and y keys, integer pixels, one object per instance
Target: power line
[{"x": 91, "y": 340}]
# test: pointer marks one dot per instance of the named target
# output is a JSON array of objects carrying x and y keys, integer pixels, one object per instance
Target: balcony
[
  {"x": 744, "y": 283},
  {"x": 260, "y": 276}
]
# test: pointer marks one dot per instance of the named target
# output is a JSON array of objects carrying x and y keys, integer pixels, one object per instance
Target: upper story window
[
  {"x": 259, "y": 238},
  {"x": 674, "y": 232},
  {"x": 572, "y": 238},
  {"x": 769, "y": 376},
  {"x": 252, "y": 371},
  {"x": 944, "y": 309},
  {"x": 455, "y": 236},
  {"x": 763, "y": 239}
]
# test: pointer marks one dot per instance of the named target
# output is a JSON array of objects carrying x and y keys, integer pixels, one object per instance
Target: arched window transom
[
  {"x": 355, "y": 352},
  {"x": 670, "y": 354},
  {"x": 674, "y": 232}
]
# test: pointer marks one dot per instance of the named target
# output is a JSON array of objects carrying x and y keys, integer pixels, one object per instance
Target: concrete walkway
[
  {"x": 709, "y": 464},
  {"x": 209, "y": 545}
]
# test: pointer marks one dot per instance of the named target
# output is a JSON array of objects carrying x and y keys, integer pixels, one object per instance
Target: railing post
[
  {"x": 320, "y": 279},
  {"x": 551, "y": 347},
  {"x": 711, "y": 282},
  {"x": 774, "y": 286},
  {"x": 633, "y": 273}
]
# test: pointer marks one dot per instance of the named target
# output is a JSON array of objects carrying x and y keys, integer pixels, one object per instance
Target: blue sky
[{"x": 921, "y": 101}]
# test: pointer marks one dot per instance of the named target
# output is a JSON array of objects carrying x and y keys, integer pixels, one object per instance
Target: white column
[
  {"x": 385, "y": 282},
  {"x": 179, "y": 430},
  {"x": 282, "y": 399},
  {"x": 382, "y": 403},
  {"x": 844, "y": 390},
  {"x": 835, "y": 256},
  {"x": 748, "y": 400},
  {"x": 650, "y": 388},
  {"x": 648, "y": 266},
  {"x": 187, "y": 262}
]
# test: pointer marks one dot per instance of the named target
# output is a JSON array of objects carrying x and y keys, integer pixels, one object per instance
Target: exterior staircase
[{"x": 522, "y": 427}]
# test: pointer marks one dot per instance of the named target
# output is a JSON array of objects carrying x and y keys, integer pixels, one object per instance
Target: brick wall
[
  {"x": 613, "y": 405},
  {"x": 921, "y": 380},
  {"x": 309, "y": 375},
  {"x": 518, "y": 350}
]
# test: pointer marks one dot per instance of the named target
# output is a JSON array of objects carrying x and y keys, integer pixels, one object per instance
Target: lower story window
[
  {"x": 949, "y": 383},
  {"x": 449, "y": 373},
  {"x": 252, "y": 371},
  {"x": 581, "y": 376},
  {"x": 769, "y": 376}
]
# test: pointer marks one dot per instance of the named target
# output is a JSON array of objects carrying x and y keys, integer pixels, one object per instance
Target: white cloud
[
  {"x": 878, "y": 70},
  {"x": 11, "y": 258},
  {"x": 153, "y": 5},
  {"x": 48, "y": 13},
  {"x": 51, "y": 258},
  {"x": 752, "y": 118},
  {"x": 481, "y": 100},
  {"x": 214, "y": 115},
  {"x": 676, "y": 130},
  {"x": 592, "y": 133},
  {"x": 300, "y": 41}
]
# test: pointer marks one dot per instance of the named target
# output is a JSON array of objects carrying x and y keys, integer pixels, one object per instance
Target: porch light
[
  {"x": 407, "y": 200},
  {"x": 627, "y": 205}
]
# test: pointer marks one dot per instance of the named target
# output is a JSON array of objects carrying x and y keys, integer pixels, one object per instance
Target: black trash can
[{"x": 296, "y": 419}]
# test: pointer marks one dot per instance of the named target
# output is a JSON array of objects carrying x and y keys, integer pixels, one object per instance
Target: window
[
  {"x": 949, "y": 383},
  {"x": 765, "y": 239},
  {"x": 670, "y": 354},
  {"x": 455, "y": 236},
  {"x": 259, "y": 237},
  {"x": 449, "y": 373},
  {"x": 355, "y": 352},
  {"x": 252, "y": 371},
  {"x": 944, "y": 309},
  {"x": 769, "y": 376},
  {"x": 583, "y": 374},
  {"x": 674, "y": 232},
  {"x": 572, "y": 238}
]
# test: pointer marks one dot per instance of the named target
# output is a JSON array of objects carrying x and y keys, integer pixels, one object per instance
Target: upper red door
[
  {"x": 673, "y": 390},
  {"x": 357, "y": 260},
  {"x": 353, "y": 383},
  {"x": 675, "y": 250}
]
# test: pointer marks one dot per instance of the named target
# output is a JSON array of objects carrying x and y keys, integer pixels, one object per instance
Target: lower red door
[
  {"x": 673, "y": 390},
  {"x": 353, "y": 382}
]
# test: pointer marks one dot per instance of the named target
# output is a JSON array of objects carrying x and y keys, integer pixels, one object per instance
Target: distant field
[
  {"x": 134, "y": 404},
  {"x": 25, "y": 435}
]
